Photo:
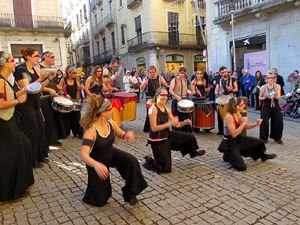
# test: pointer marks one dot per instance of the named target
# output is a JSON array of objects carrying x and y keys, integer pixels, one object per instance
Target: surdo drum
[
  {"x": 62, "y": 104},
  {"x": 185, "y": 106},
  {"x": 204, "y": 115}
]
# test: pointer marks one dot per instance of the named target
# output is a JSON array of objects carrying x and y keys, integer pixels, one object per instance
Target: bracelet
[{"x": 123, "y": 135}]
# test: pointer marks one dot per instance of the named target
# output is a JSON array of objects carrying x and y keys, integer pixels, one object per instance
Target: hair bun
[{"x": 23, "y": 52}]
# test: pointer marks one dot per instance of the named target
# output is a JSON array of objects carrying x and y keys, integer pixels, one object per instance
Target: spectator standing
[
  {"x": 293, "y": 79},
  {"x": 278, "y": 80},
  {"x": 249, "y": 83},
  {"x": 259, "y": 81}
]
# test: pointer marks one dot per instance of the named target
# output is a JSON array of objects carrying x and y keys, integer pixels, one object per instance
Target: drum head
[
  {"x": 223, "y": 100},
  {"x": 186, "y": 103},
  {"x": 34, "y": 88},
  {"x": 63, "y": 101}
]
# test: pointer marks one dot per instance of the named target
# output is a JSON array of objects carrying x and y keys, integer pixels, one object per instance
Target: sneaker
[
  {"x": 133, "y": 201},
  {"x": 198, "y": 153},
  {"x": 268, "y": 156},
  {"x": 279, "y": 142}
]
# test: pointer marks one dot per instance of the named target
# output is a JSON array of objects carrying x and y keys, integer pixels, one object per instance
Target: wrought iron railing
[
  {"x": 98, "y": 28},
  {"x": 149, "y": 39},
  {"x": 103, "y": 57},
  {"x": 109, "y": 19},
  {"x": 132, "y": 3},
  {"x": 9, "y": 20}
]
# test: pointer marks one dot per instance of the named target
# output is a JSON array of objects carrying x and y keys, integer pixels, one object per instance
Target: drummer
[
  {"x": 179, "y": 90},
  {"x": 54, "y": 125},
  {"x": 151, "y": 83},
  {"x": 227, "y": 85},
  {"x": 70, "y": 86},
  {"x": 110, "y": 75},
  {"x": 199, "y": 86},
  {"x": 162, "y": 140}
]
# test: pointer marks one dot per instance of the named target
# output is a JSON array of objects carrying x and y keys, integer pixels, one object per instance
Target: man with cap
[{"x": 129, "y": 82}]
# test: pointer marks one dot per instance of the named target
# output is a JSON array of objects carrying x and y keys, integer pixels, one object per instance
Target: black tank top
[
  {"x": 153, "y": 85},
  {"x": 72, "y": 89},
  {"x": 162, "y": 117},
  {"x": 201, "y": 88},
  {"x": 103, "y": 147},
  {"x": 96, "y": 88}
]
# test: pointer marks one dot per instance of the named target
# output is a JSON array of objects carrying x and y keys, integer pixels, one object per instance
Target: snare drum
[
  {"x": 62, "y": 104},
  {"x": 204, "y": 115},
  {"x": 77, "y": 106},
  {"x": 185, "y": 106}
]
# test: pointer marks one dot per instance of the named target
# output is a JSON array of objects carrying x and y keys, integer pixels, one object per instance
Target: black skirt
[{"x": 16, "y": 173}]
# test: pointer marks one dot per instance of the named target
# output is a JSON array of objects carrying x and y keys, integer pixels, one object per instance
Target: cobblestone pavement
[{"x": 204, "y": 190}]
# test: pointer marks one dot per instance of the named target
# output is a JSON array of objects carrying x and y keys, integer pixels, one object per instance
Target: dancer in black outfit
[
  {"x": 16, "y": 173},
  {"x": 54, "y": 124},
  {"x": 163, "y": 140},
  {"x": 270, "y": 95},
  {"x": 69, "y": 85},
  {"x": 94, "y": 84},
  {"x": 98, "y": 153},
  {"x": 29, "y": 113},
  {"x": 234, "y": 145}
]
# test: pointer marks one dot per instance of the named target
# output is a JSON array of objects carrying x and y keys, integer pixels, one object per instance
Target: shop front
[
  {"x": 199, "y": 63},
  {"x": 173, "y": 62},
  {"x": 141, "y": 65}
]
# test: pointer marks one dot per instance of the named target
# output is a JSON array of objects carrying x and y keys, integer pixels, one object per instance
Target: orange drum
[
  {"x": 128, "y": 101},
  {"x": 116, "y": 111},
  {"x": 204, "y": 115}
]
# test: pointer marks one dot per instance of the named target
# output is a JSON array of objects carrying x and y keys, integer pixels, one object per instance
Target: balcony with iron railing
[
  {"x": 92, "y": 4},
  {"x": 133, "y": 3},
  {"x": 104, "y": 57},
  {"x": 165, "y": 39},
  {"x": 9, "y": 21},
  {"x": 246, "y": 8},
  {"x": 201, "y": 4},
  {"x": 98, "y": 28},
  {"x": 109, "y": 19},
  {"x": 84, "y": 37}
]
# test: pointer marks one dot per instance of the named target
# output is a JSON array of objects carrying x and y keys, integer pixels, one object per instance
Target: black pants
[
  {"x": 99, "y": 191},
  {"x": 71, "y": 123},
  {"x": 220, "y": 123},
  {"x": 147, "y": 122},
  {"x": 235, "y": 148},
  {"x": 257, "y": 105},
  {"x": 276, "y": 123},
  {"x": 181, "y": 117},
  {"x": 179, "y": 141}
]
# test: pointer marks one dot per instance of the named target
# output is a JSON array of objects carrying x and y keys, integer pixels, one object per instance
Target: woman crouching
[
  {"x": 163, "y": 140},
  {"x": 98, "y": 153},
  {"x": 234, "y": 145}
]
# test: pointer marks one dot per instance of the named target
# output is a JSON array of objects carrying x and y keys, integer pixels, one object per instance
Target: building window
[
  {"x": 81, "y": 20},
  {"x": 120, "y": 3},
  {"x": 104, "y": 45},
  {"x": 77, "y": 19},
  {"x": 138, "y": 29},
  {"x": 123, "y": 35},
  {"x": 173, "y": 28},
  {"x": 95, "y": 16},
  {"x": 98, "y": 47},
  {"x": 84, "y": 12}
]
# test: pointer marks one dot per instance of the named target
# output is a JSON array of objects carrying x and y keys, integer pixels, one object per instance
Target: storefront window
[{"x": 173, "y": 62}]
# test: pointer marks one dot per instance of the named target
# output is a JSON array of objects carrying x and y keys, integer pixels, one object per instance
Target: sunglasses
[
  {"x": 224, "y": 72},
  {"x": 36, "y": 56},
  {"x": 99, "y": 71},
  {"x": 182, "y": 72},
  {"x": 109, "y": 109},
  {"x": 241, "y": 105},
  {"x": 199, "y": 73},
  {"x": 74, "y": 73},
  {"x": 163, "y": 95},
  {"x": 12, "y": 61},
  {"x": 52, "y": 57},
  {"x": 271, "y": 78},
  {"x": 152, "y": 72}
]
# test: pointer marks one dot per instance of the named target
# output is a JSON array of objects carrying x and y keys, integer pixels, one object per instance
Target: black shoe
[
  {"x": 25, "y": 194},
  {"x": 220, "y": 133},
  {"x": 45, "y": 160},
  {"x": 267, "y": 156},
  {"x": 58, "y": 143},
  {"x": 133, "y": 201},
  {"x": 198, "y": 153},
  {"x": 279, "y": 142},
  {"x": 225, "y": 158},
  {"x": 37, "y": 165}
]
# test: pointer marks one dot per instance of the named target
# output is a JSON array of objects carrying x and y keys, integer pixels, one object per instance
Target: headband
[
  {"x": 105, "y": 105},
  {"x": 4, "y": 58},
  {"x": 46, "y": 53},
  {"x": 71, "y": 68}
]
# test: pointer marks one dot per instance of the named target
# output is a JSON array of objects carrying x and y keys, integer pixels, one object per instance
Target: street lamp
[{"x": 232, "y": 31}]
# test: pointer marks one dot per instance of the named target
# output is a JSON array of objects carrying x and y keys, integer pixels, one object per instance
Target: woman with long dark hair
[
  {"x": 234, "y": 145},
  {"x": 70, "y": 86},
  {"x": 259, "y": 81},
  {"x": 199, "y": 86},
  {"x": 16, "y": 173},
  {"x": 162, "y": 140},
  {"x": 94, "y": 84},
  {"x": 98, "y": 152},
  {"x": 29, "y": 113}
]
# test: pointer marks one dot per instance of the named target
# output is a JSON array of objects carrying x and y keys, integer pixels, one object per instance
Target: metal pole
[{"x": 233, "y": 39}]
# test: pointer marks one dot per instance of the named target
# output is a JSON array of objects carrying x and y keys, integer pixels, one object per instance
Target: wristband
[{"x": 123, "y": 135}]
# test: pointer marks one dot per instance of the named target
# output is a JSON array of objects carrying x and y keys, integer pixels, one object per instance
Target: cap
[{"x": 127, "y": 71}]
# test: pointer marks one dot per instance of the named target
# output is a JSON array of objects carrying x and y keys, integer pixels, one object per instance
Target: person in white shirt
[{"x": 129, "y": 82}]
